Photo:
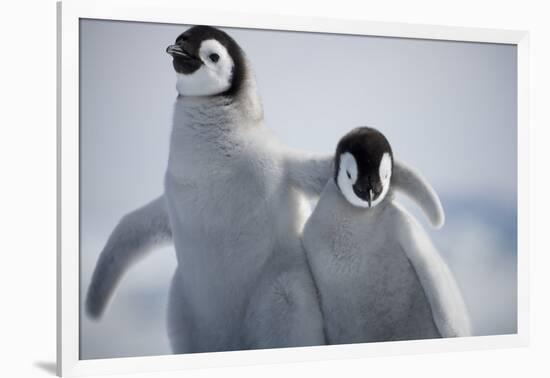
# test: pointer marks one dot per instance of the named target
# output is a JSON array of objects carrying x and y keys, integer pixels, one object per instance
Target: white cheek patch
[
  {"x": 347, "y": 177},
  {"x": 212, "y": 77}
]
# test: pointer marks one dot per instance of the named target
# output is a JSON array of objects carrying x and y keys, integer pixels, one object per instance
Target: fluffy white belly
[
  {"x": 373, "y": 297},
  {"x": 227, "y": 230},
  {"x": 368, "y": 288},
  {"x": 219, "y": 222}
]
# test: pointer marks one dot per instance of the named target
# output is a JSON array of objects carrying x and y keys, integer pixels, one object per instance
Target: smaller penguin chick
[
  {"x": 363, "y": 167},
  {"x": 378, "y": 275}
]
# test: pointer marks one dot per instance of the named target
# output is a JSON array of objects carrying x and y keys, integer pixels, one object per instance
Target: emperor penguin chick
[
  {"x": 378, "y": 274},
  {"x": 242, "y": 279}
]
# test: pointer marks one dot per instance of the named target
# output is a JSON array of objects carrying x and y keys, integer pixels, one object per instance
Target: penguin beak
[
  {"x": 369, "y": 198},
  {"x": 177, "y": 50},
  {"x": 365, "y": 192}
]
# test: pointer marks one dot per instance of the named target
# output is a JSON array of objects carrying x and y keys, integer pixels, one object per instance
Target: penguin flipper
[
  {"x": 447, "y": 304},
  {"x": 412, "y": 184},
  {"x": 137, "y": 233},
  {"x": 307, "y": 172}
]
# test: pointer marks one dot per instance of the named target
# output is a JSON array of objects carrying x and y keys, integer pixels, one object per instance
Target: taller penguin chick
[
  {"x": 378, "y": 274},
  {"x": 242, "y": 279}
]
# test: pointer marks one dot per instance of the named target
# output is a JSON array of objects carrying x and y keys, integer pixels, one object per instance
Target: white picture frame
[{"x": 171, "y": 11}]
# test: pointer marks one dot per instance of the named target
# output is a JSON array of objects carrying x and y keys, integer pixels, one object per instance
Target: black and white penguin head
[
  {"x": 364, "y": 163},
  {"x": 207, "y": 61}
]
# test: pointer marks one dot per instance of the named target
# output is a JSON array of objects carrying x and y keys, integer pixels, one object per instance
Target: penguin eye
[
  {"x": 349, "y": 176},
  {"x": 214, "y": 57}
]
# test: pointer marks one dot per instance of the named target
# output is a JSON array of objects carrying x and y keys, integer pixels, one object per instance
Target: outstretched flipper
[
  {"x": 411, "y": 183},
  {"x": 310, "y": 174},
  {"x": 136, "y": 234},
  {"x": 448, "y": 308}
]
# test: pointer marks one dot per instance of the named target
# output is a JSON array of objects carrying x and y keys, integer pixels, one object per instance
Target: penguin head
[
  {"x": 363, "y": 167},
  {"x": 207, "y": 61}
]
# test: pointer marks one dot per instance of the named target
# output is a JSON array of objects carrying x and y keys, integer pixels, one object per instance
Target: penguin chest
[
  {"x": 223, "y": 203},
  {"x": 369, "y": 290}
]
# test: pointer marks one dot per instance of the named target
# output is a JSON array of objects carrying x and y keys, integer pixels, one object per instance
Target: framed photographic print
[{"x": 239, "y": 189}]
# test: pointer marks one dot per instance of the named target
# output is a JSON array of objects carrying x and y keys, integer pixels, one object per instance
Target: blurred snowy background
[{"x": 447, "y": 108}]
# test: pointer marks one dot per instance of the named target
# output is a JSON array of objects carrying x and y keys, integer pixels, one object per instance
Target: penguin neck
[
  {"x": 337, "y": 200},
  {"x": 220, "y": 113}
]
